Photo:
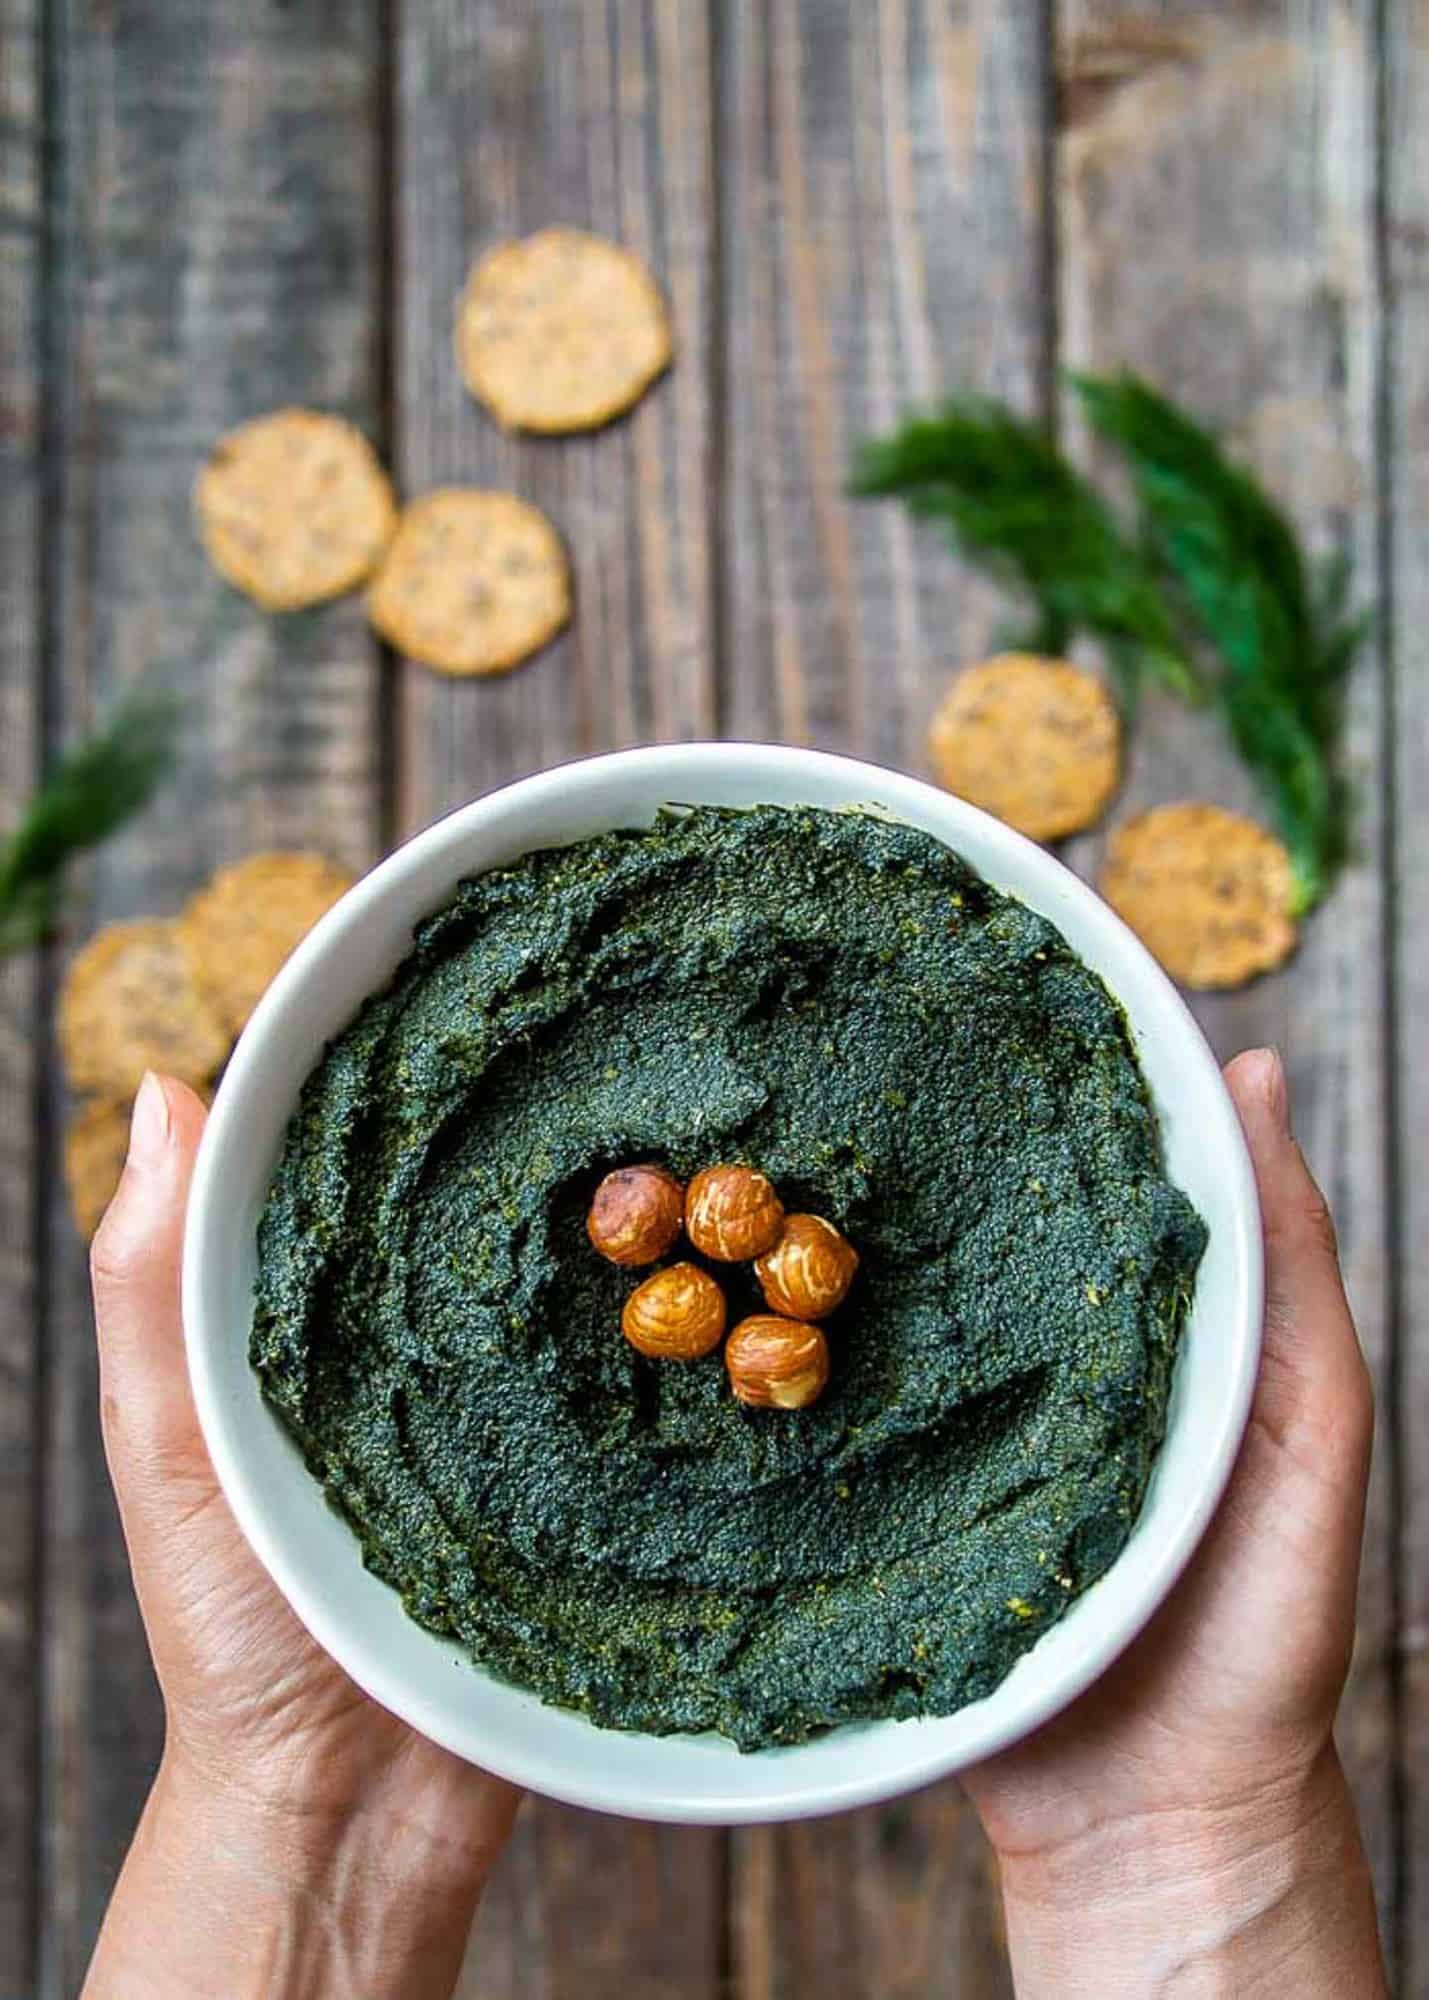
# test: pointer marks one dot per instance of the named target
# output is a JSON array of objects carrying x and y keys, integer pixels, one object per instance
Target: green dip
[{"x": 844, "y": 1004}]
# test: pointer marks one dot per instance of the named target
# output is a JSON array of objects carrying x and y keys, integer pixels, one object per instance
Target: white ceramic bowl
[{"x": 312, "y": 1555}]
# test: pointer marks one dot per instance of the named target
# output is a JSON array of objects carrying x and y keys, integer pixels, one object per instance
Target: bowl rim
[{"x": 579, "y": 1781}]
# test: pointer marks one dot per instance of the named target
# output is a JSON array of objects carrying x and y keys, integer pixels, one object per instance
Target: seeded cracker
[
  {"x": 561, "y": 331},
  {"x": 294, "y": 508},
  {"x": 1034, "y": 741},
  {"x": 130, "y": 1003},
  {"x": 473, "y": 584},
  {"x": 95, "y": 1143},
  {"x": 238, "y": 930},
  {"x": 1206, "y": 891}
]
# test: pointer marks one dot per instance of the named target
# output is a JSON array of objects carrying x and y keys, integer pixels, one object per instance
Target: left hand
[{"x": 336, "y": 1815}]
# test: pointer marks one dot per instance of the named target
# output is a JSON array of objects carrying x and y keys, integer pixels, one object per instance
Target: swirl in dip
[{"x": 843, "y": 1003}]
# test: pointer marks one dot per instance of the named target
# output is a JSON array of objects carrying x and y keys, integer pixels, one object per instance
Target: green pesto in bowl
[{"x": 841, "y": 1002}]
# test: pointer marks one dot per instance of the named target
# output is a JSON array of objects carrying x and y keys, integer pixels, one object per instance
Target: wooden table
[{"x": 210, "y": 209}]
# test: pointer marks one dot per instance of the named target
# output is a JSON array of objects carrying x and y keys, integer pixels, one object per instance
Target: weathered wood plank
[
  {"x": 882, "y": 173},
  {"x": 219, "y": 233},
  {"x": 898, "y": 1901},
  {"x": 1216, "y": 208},
  {"x": 586, "y": 1906},
  {"x": 21, "y": 280},
  {"x": 1405, "y": 493},
  {"x": 594, "y": 112}
]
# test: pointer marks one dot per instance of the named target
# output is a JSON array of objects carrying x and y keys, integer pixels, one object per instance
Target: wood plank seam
[
  {"x": 386, "y": 110},
  {"x": 1397, "y": 1945},
  {"x": 1051, "y": 246},
  {"x": 721, "y": 475},
  {"x": 1394, "y": 1894},
  {"x": 25, "y": 412},
  {"x": 52, "y": 343},
  {"x": 721, "y": 485}
]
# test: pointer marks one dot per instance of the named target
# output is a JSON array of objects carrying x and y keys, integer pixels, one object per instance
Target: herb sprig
[
  {"x": 91, "y": 792},
  {"x": 1213, "y": 569},
  {"x": 1285, "y": 646},
  {"x": 1013, "y": 503}
]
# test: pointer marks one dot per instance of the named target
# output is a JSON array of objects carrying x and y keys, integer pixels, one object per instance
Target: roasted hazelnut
[
  {"x": 635, "y": 1215},
  {"x": 810, "y": 1268},
  {"x": 677, "y": 1315},
  {"x": 732, "y": 1214},
  {"x": 777, "y": 1364}
]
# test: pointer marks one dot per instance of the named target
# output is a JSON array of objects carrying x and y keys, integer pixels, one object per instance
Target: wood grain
[
  {"x": 883, "y": 230},
  {"x": 511, "y": 116},
  {"x": 850, "y": 209},
  {"x": 1405, "y": 493},
  {"x": 898, "y": 1902},
  {"x": 883, "y": 189},
  {"x": 1216, "y": 206},
  {"x": 219, "y": 227},
  {"x": 592, "y": 112},
  {"x": 21, "y": 423},
  {"x": 585, "y": 1906}
]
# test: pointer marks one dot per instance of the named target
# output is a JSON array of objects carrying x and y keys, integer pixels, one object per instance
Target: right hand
[{"x": 1209, "y": 1744}]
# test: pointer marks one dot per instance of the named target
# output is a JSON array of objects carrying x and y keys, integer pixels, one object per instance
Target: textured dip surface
[{"x": 843, "y": 1003}]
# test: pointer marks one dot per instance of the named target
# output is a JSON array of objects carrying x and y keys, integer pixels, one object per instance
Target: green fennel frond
[
  {"x": 1014, "y": 505},
  {"x": 92, "y": 791},
  {"x": 1284, "y": 636}
]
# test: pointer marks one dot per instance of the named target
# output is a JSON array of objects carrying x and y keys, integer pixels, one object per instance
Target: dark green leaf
[
  {"x": 1282, "y": 634},
  {"x": 90, "y": 793},
  {"x": 1013, "y": 504}
]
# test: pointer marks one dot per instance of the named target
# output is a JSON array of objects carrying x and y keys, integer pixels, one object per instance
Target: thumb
[
  {"x": 151, "y": 1433},
  {"x": 1313, "y": 1397}
]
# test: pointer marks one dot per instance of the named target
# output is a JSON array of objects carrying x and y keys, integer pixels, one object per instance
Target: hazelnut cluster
[{"x": 731, "y": 1214}]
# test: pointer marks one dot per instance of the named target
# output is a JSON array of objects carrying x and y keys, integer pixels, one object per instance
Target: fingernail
[
  {"x": 1277, "y": 1090},
  {"x": 149, "y": 1126}
]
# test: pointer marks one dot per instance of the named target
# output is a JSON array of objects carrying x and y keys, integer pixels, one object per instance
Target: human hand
[
  {"x": 298, "y": 1838},
  {"x": 1188, "y": 1817}
]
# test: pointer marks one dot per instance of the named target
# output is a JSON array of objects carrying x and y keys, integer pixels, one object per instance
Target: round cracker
[
  {"x": 474, "y": 582},
  {"x": 294, "y": 508},
  {"x": 238, "y": 930},
  {"x": 95, "y": 1144},
  {"x": 130, "y": 1003},
  {"x": 561, "y": 331},
  {"x": 1035, "y": 742},
  {"x": 1207, "y": 892}
]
